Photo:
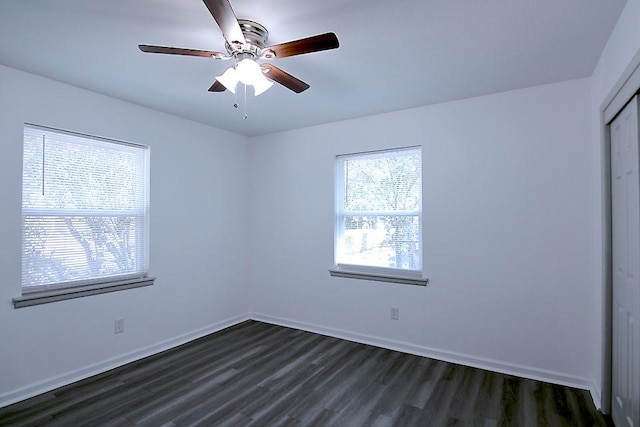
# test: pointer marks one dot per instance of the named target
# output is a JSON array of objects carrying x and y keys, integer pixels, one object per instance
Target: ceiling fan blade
[
  {"x": 217, "y": 87},
  {"x": 226, "y": 19},
  {"x": 181, "y": 51},
  {"x": 310, "y": 44},
  {"x": 284, "y": 78}
]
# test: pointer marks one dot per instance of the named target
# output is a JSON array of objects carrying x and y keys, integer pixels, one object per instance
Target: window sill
[
  {"x": 416, "y": 280},
  {"x": 45, "y": 297}
]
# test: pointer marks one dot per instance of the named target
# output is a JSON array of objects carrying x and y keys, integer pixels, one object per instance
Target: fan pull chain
[
  {"x": 235, "y": 100},
  {"x": 245, "y": 103},
  {"x": 235, "y": 93}
]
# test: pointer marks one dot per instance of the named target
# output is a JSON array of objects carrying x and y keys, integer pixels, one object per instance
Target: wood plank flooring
[{"x": 256, "y": 374}]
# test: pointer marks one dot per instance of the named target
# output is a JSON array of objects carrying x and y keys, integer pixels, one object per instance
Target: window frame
[
  {"x": 45, "y": 293},
  {"x": 368, "y": 272}
]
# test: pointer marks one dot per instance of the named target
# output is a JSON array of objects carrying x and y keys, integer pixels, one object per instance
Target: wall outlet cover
[{"x": 118, "y": 327}]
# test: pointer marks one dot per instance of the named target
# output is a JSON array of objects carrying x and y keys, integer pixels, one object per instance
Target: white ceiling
[{"x": 393, "y": 54}]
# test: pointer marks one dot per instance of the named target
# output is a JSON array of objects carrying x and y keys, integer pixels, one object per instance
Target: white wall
[
  {"x": 508, "y": 232},
  {"x": 198, "y": 209},
  {"x": 622, "y": 47}
]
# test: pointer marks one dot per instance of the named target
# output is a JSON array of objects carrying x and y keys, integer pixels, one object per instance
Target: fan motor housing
[{"x": 256, "y": 36}]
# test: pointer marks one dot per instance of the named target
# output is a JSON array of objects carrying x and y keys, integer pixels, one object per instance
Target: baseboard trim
[
  {"x": 596, "y": 395},
  {"x": 98, "y": 368},
  {"x": 446, "y": 356}
]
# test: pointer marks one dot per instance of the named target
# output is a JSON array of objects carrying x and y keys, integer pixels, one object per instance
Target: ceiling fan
[{"x": 245, "y": 41}]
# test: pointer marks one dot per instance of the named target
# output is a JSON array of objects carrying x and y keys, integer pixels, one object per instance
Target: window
[
  {"x": 379, "y": 215},
  {"x": 85, "y": 211}
]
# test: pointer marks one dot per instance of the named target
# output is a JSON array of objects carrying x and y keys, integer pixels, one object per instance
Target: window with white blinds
[
  {"x": 379, "y": 211},
  {"x": 85, "y": 210}
]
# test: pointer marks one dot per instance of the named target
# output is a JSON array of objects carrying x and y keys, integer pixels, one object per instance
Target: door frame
[{"x": 626, "y": 87}]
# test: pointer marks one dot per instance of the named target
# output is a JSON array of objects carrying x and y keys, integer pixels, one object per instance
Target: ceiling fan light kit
[
  {"x": 247, "y": 72},
  {"x": 245, "y": 42}
]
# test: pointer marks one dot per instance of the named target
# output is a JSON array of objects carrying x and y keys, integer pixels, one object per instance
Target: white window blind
[
  {"x": 379, "y": 210},
  {"x": 85, "y": 210}
]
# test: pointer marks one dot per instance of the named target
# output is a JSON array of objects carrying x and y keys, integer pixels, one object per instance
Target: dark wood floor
[{"x": 264, "y": 375}]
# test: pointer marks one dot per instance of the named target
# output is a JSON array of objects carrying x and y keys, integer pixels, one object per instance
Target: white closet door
[{"x": 625, "y": 194}]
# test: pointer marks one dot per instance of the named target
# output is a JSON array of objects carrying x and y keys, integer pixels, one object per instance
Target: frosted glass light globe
[
  {"x": 248, "y": 71},
  {"x": 261, "y": 85},
  {"x": 229, "y": 79}
]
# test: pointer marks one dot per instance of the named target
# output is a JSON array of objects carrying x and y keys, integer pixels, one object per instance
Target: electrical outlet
[
  {"x": 118, "y": 326},
  {"x": 395, "y": 313}
]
